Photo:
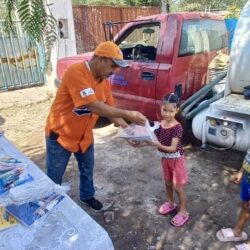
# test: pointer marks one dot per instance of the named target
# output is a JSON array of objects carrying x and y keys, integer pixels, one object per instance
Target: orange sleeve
[{"x": 79, "y": 86}]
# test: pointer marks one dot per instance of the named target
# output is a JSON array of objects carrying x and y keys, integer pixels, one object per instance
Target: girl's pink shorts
[{"x": 174, "y": 170}]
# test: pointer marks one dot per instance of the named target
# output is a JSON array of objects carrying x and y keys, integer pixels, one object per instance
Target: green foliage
[
  {"x": 204, "y": 5},
  {"x": 98, "y": 2},
  {"x": 78, "y": 2},
  {"x": 191, "y": 7},
  {"x": 233, "y": 12},
  {"x": 103, "y": 3},
  {"x": 36, "y": 21},
  {"x": 180, "y": 5},
  {"x": 149, "y": 2},
  {"x": 118, "y": 2},
  {"x": 175, "y": 5}
]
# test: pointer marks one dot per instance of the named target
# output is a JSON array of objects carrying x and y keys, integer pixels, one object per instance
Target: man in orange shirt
[{"x": 83, "y": 95}]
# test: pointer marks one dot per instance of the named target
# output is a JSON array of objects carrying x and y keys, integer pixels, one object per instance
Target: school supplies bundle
[
  {"x": 8, "y": 163},
  {"x": 29, "y": 212},
  {"x": 12, "y": 173},
  {"x": 23, "y": 199},
  {"x": 138, "y": 133},
  {"x": 30, "y": 201},
  {"x": 12, "y": 179}
]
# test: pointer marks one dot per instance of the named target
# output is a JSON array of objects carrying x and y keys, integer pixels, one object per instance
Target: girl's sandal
[
  {"x": 180, "y": 219},
  {"x": 166, "y": 208},
  {"x": 243, "y": 246}
]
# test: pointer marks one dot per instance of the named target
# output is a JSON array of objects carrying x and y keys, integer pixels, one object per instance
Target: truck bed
[{"x": 233, "y": 103}]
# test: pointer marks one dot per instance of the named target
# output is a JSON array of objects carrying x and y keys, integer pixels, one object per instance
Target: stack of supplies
[{"x": 23, "y": 199}]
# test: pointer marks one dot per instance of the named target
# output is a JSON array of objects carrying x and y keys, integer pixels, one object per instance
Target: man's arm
[
  {"x": 102, "y": 109},
  {"x": 119, "y": 122}
]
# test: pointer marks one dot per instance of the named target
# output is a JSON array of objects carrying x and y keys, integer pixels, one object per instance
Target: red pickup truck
[{"x": 167, "y": 53}]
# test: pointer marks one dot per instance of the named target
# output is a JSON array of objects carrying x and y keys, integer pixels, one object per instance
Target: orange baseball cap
[{"x": 111, "y": 50}]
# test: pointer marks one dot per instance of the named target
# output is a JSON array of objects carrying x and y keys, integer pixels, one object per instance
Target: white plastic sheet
[
  {"x": 139, "y": 133},
  {"x": 67, "y": 226}
]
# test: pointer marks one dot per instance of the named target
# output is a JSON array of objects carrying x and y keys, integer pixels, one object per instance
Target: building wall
[
  {"x": 66, "y": 45},
  {"x": 62, "y": 11}
]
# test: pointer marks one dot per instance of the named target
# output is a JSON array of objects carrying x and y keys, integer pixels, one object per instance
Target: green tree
[
  {"x": 118, "y": 2},
  {"x": 99, "y": 2},
  {"x": 149, "y": 2},
  {"x": 160, "y": 3},
  {"x": 202, "y": 5},
  {"x": 233, "y": 12},
  {"x": 36, "y": 20}
]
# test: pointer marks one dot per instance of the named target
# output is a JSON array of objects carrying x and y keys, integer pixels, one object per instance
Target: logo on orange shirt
[{"x": 86, "y": 92}]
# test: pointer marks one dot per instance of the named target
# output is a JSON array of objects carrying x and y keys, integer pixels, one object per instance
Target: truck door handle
[{"x": 147, "y": 76}]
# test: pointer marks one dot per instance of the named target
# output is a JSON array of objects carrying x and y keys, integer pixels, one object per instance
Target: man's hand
[
  {"x": 120, "y": 122},
  {"x": 105, "y": 110},
  {"x": 136, "y": 117}
]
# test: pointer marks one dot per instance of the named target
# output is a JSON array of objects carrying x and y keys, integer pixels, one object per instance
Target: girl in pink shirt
[{"x": 169, "y": 134}]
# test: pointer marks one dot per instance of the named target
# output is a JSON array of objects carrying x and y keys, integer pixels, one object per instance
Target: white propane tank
[
  {"x": 238, "y": 72},
  {"x": 226, "y": 122},
  {"x": 222, "y": 129}
]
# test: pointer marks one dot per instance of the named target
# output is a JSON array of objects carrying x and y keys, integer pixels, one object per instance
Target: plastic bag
[{"x": 138, "y": 133}]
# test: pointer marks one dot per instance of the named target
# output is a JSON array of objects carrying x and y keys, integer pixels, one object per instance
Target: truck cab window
[
  {"x": 191, "y": 39},
  {"x": 198, "y": 36},
  {"x": 140, "y": 42},
  {"x": 217, "y": 35}
]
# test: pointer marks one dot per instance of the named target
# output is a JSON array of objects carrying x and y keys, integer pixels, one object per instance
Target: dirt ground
[{"x": 131, "y": 179}]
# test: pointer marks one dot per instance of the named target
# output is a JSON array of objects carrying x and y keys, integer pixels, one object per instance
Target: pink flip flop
[
  {"x": 166, "y": 208},
  {"x": 227, "y": 235},
  {"x": 179, "y": 219},
  {"x": 243, "y": 246}
]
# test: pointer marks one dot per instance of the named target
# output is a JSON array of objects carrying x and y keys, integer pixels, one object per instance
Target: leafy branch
[{"x": 36, "y": 20}]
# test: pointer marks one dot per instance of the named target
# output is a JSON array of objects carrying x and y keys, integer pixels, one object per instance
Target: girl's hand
[{"x": 237, "y": 177}]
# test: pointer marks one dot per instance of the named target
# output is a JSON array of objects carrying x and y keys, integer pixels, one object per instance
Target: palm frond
[
  {"x": 11, "y": 6},
  {"x": 36, "y": 20}
]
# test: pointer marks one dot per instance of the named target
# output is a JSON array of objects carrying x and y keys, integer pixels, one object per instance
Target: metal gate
[{"x": 22, "y": 63}]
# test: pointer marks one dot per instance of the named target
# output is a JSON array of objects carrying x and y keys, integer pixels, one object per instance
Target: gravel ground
[{"x": 131, "y": 180}]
